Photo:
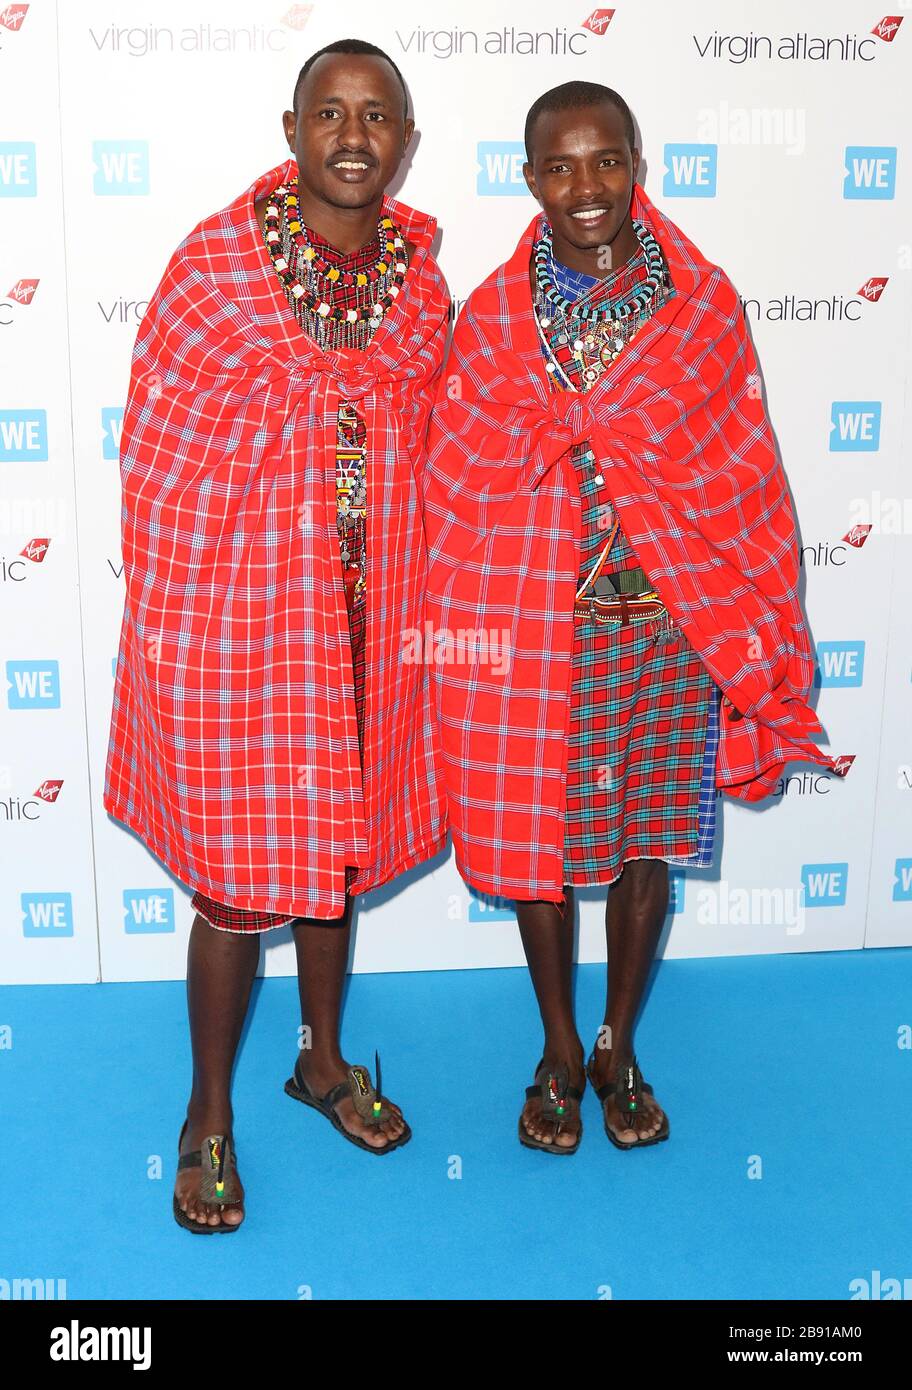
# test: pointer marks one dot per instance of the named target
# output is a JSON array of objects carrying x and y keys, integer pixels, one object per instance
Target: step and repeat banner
[{"x": 775, "y": 134}]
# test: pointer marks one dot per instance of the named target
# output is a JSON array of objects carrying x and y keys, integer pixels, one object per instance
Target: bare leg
[
  {"x": 548, "y": 943},
  {"x": 220, "y": 970},
  {"x": 322, "y": 953},
  {"x": 634, "y": 915}
]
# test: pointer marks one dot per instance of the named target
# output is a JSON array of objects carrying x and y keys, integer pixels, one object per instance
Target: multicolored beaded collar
[
  {"x": 645, "y": 293},
  {"x": 309, "y": 279},
  {"x": 583, "y": 336}
]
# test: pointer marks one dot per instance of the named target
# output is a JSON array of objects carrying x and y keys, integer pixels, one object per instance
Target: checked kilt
[{"x": 637, "y": 756}]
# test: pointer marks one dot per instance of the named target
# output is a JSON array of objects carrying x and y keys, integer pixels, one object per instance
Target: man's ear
[
  {"x": 289, "y": 125},
  {"x": 530, "y": 181},
  {"x": 408, "y": 132}
]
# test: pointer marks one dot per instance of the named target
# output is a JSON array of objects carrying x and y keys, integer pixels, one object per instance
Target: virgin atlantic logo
[
  {"x": 598, "y": 21},
  {"x": 297, "y": 16},
  {"x": 35, "y": 550},
  {"x": 12, "y": 16},
  {"x": 887, "y": 27},
  {"x": 873, "y": 288},
  {"x": 23, "y": 292},
  {"x": 49, "y": 789}
]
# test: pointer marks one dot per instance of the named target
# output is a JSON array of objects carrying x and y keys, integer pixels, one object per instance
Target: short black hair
[
  {"x": 572, "y": 95},
  {"x": 356, "y": 46}
]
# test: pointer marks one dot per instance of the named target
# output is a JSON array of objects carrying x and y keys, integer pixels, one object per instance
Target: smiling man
[
  {"x": 268, "y": 741},
  {"x": 603, "y": 485}
]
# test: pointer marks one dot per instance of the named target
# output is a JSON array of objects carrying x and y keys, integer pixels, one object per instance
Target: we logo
[
  {"x": 111, "y": 428},
  {"x": 148, "y": 910},
  {"x": 46, "y": 914},
  {"x": 18, "y": 178},
  {"x": 33, "y": 684},
  {"x": 902, "y": 883},
  {"x": 690, "y": 171},
  {"x": 840, "y": 663},
  {"x": 121, "y": 167},
  {"x": 870, "y": 171},
  {"x": 824, "y": 884},
  {"x": 855, "y": 427},
  {"x": 500, "y": 165},
  {"x": 23, "y": 436},
  {"x": 485, "y": 907}
]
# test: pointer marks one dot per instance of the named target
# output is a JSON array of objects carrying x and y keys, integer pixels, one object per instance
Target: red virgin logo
[
  {"x": 887, "y": 27},
  {"x": 49, "y": 789},
  {"x": 873, "y": 287},
  {"x": 36, "y": 549},
  {"x": 842, "y": 764},
  {"x": 297, "y": 16},
  {"x": 857, "y": 535},
  {"x": 598, "y": 21},
  {"x": 23, "y": 291},
  {"x": 11, "y": 16}
]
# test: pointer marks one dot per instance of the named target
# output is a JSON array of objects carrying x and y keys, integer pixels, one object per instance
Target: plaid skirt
[
  {"x": 642, "y": 744},
  {"x": 235, "y": 919}
]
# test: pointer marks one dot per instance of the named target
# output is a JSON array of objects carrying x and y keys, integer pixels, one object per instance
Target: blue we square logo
[
  {"x": 148, "y": 910},
  {"x": 839, "y": 663},
  {"x": 121, "y": 167},
  {"x": 23, "y": 436},
  {"x": 690, "y": 171},
  {"x": 18, "y": 178},
  {"x": 500, "y": 164},
  {"x": 484, "y": 907},
  {"x": 855, "y": 427},
  {"x": 824, "y": 884},
  {"x": 902, "y": 884},
  {"x": 46, "y": 914},
  {"x": 33, "y": 684},
  {"x": 112, "y": 428},
  {"x": 870, "y": 171}
]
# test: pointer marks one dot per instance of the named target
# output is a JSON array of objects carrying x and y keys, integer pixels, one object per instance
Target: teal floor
[{"x": 791, "y": 1063}]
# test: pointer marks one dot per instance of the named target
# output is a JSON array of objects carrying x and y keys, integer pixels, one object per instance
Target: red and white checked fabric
[
  {"x": 233, "y": 750},
  {"x": 686, "y": 450}
]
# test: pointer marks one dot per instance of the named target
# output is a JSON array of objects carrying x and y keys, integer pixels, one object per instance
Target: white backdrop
[{"x": 776, "y": 134}]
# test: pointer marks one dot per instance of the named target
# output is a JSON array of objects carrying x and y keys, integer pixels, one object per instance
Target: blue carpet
[{"x": 789, "y": 1059}]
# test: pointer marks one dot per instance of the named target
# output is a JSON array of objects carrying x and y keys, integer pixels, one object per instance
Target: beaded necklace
[
  {"x": 310, "y": 281},
  {"x": 580, "y": 338},
  {"x": 585, "y": 335}
]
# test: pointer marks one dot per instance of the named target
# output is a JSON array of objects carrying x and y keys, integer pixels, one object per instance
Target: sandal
[
  {"x": 370, "y": 1104},
  {"x": 554, "y": 1090},
  {"x": 218, "y": 1181},
  {"x": 627, "y": 1091}
]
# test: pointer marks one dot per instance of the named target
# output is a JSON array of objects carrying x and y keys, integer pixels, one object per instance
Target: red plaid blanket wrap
[
  {"x": 687, "y": 453},
  {"x": 233, "y": 749}
]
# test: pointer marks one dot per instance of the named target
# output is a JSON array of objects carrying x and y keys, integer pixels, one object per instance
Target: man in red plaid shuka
[
  {"x": 271, "y": 742},
  {"x": 604, "y": 504}
]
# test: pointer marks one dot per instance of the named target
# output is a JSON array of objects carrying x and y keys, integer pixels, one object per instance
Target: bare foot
[
  {"x": 629, "y": 1128},
  {"x": 547, "y": 1129},
  {"x": 321, "y": 1076},
  {"x": 198, "y": 1127}
]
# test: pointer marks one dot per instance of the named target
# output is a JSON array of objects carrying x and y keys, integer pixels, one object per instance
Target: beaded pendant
[{"x": 585, "y": 337}]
